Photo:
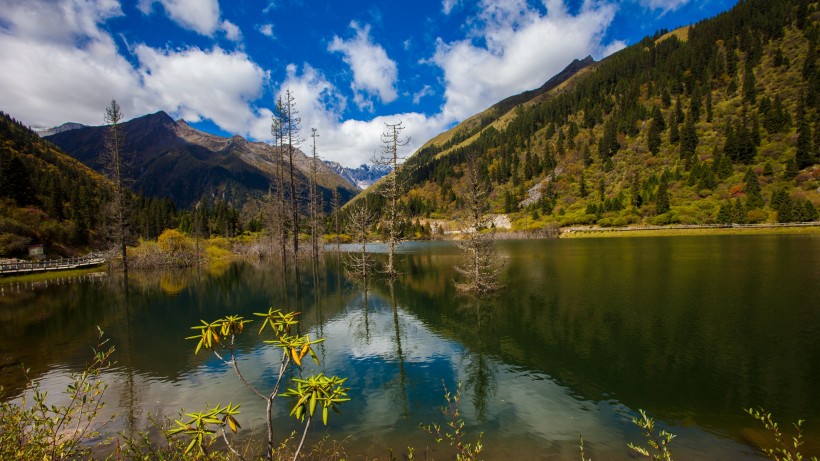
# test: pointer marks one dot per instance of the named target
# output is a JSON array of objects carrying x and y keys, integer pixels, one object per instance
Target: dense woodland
[
  {"x": 47, "y": 197},
  {"x": 714, "y": 123}
]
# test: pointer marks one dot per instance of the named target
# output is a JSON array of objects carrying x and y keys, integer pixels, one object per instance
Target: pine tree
[
  {"x": 582, "y": 184},
  {"x": 804, "y": 156},
  {"x": 749, "y": 91},
  {"x": 653, "y": 137},
  {"x": 662, "y": 198},
  {"x": 753, "y": 197}
]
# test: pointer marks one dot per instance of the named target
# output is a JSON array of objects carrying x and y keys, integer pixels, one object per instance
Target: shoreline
[{"x": 812, "y": 228}]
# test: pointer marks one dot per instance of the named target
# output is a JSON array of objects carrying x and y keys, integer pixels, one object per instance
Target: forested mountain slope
[
  {"x": 713, "y": 123},
  {"x": 46, "y": 197}
]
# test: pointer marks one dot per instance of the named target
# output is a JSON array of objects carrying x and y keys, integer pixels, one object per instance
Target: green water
[{"x": 585, "y": 333}]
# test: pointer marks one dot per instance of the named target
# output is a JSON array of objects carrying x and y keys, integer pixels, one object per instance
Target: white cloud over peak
[
  {"x": 350, "y": 142},
  {"x": 199, "y": 84},
  {"x": 517, "y": 48},
  {"x": 374, "y": 73}
]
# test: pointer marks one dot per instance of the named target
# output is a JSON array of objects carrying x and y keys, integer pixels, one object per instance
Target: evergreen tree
[
  {"x": 805, "y": 154},
  {"x": 791, "y": 169},
  {"x": 674, "y": 134},
  {"x": 725, "y": 213},
  {"x": 662, "y": 198},
  {"x": 753, "y": 197},
  {"x": 583, "y": 186},
  {"x": 609, "y": 145},
  {"x": 689, "y": 139},
  {"x": 749, "y": 92}
]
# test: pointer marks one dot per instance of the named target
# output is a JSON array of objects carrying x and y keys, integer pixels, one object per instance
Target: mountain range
[
  {"x": 169, "y": 158},
  {"x": 712, "y": 123},
  {"x": 363, "y": 176}
]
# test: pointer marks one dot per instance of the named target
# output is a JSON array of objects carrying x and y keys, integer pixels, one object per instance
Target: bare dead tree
[
  {"x": 392, "y": 189},
  {"x": 336, "y": 205},
  {"x": 359, "y": 265},
  {"x": 115, "y": 163},
  {"x": 290, "y": 128},
  {"x": 279, "y": 215},
  {"x": 315, "y": 225},
  {"x": 480, "y": 270}
]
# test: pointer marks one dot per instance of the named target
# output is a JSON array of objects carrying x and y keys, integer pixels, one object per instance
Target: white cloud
[
  {"x": 349, "y": 142},
  {"x": 51, "y": 51},
  {"x": 427, "y": 90},
  {"x": 266, "y": 30},
  {"x": 448, "y": 5},
  {"x": 374, "y": 73},
  {"x": 199, "y": 84},
  {"x": 664, "y": 5},
  {"x": 517, "y": 48},
  {"x": 231, "y": 30},
  {"x": 201, "y": 16}
]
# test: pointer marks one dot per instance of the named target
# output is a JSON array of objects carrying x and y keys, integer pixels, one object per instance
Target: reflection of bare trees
[
  {"x": 359, "y": 264},
  {"x": 399, "y": 352},
  {"x": 480, "y": 369}
]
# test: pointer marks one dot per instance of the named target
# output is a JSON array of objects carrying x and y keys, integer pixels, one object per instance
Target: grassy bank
[{"x": 665, "y": 231}]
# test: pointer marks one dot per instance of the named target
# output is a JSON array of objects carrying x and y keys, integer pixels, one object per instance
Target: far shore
[{"x": 812, "y": 228}]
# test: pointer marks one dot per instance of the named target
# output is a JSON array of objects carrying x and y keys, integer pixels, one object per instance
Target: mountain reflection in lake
[{"x": 585, "y": 333}]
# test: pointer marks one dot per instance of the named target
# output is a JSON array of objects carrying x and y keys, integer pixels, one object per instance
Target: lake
[{"x": 584, "y": 334}]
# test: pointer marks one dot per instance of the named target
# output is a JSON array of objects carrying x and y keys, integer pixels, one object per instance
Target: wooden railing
[{"x": 24, "y": 267}]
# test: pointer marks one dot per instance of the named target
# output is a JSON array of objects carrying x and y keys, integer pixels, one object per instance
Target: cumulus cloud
[
  {"x": 349, "y": 142},
  {"x": 374, "y": 73},
  {"x": 201, "y": 16},
  {"x": 517, "y": 48},
  {"x": 51, "y": 52},
  {"x": 231, "y": 30},
  {"x": 266, "y": 30},
  {"x": 197, "y": 84}
]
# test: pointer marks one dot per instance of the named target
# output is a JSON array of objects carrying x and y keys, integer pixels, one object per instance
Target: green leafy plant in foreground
[
  {"x": 317, "y": 391},
  {"x": 455, "y": 435},
  {"x": 57, "y": 432},
  {"x": 785, "y": 450},
  {"x": 657, "y": 443}
]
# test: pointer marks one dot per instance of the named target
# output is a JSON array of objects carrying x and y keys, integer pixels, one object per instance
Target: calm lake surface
[{"x": 586, "y": 332}]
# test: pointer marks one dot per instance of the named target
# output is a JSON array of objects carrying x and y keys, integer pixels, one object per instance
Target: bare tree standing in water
[
  {"x": 114, "y": 162},
  {"x": 392, "y": 189}
]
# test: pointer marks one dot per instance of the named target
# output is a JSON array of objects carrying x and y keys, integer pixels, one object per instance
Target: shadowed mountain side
[{"x": 171, "y": 159}]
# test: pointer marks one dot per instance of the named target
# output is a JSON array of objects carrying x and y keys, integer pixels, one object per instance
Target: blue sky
[{"x": 351, "y": 65}]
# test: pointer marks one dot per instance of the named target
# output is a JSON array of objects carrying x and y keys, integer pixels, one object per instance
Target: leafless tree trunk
[
  {"x": 114, "y": 161},
  {"x": 479, "y": 271},
  {"x": 315, "y": 227},
  {"x": 291, "y": 132},
  {"x": 279, "y": 209},
  {"x": 391, "y": 190}
]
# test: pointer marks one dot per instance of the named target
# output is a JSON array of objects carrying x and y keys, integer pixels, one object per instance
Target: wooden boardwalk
[{"x": 28, "y": 267}]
